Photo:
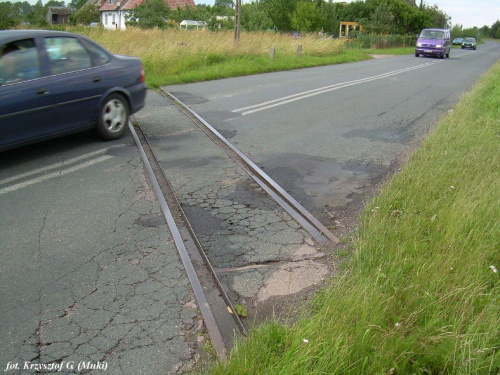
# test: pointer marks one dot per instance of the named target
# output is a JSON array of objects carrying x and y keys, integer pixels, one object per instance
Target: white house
[{"x": 114, "y": 12}]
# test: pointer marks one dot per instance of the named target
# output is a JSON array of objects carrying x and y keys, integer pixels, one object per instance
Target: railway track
[{"x": 259, "y": 235}]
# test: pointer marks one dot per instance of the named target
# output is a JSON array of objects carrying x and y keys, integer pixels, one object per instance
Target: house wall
[{"x": 113, "y": 20}]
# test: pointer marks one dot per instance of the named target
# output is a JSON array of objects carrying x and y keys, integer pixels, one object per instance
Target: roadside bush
[{"x": 378, "y": 41}]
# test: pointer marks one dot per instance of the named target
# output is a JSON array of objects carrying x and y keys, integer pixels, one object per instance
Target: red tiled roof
[
  {"x": 131, "y": 4},
  {"x": 107, "y": 6},
  {"x": 181, "y": 3}
]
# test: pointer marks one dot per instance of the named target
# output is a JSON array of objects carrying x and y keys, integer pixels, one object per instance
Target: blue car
[{"x": 55, "y": 83}]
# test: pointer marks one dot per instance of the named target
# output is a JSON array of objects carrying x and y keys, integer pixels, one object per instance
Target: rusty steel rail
[{"x": 312, "y": 225}]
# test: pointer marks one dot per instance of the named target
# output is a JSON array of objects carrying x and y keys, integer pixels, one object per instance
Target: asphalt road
[
  {"x": 88, "y": 270},
  {"x": 89, "y": 276},
  {"x": 328, "y": 135}
]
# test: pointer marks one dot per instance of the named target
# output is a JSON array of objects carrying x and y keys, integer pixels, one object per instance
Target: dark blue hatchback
[{"x": 55, "y": 83}]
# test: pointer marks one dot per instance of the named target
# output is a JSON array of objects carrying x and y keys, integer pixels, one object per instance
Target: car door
[
  {"x": 78, "y": 81},
  {"x": 27, "y": 110}
]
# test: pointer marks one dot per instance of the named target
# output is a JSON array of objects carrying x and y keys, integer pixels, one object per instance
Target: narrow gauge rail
[
  {"x": 312, "y": 225},
  {"x": 184, "y": 234}
]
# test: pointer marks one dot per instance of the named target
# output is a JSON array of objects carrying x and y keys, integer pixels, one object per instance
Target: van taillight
[{"x": 141, "y": 79}]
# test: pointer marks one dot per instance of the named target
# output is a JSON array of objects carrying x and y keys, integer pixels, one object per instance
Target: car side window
[
  {"x": 19, "y": 61},
  {"x": 101, "y": 57},
  {"x": 66, "y": 54}
]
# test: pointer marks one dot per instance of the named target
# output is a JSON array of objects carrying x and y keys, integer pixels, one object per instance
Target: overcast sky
[{"x": 468, "y": 13}]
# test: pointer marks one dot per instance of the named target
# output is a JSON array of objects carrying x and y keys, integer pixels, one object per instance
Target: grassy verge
[
  {"x": 235, "y": 66},
  {"x": 181, "y": 56},
  {"x": 421, "y": 294},
  {"x": 391, "y": 51}
]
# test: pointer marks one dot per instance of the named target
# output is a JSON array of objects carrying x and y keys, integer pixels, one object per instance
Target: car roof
[
  {"x": 9, "y": 35},
  {"x": 13, "y": 33}
]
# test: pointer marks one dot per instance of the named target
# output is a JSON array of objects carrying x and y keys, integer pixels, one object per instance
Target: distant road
[{"x": 329, "y": 134}]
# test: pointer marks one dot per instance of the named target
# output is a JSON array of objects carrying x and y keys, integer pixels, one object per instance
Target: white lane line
[
  {"x": 306, "y": 94},
  {"x": 37, "y": 180},
  {"x": 57, "y": 165}
]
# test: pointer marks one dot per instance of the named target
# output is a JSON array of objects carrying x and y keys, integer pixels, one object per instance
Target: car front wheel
[{"x": 113, "y": 117}]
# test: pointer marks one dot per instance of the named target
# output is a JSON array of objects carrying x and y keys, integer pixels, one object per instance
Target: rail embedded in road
[
  {"x": 312, "y": 225},
  {"x": 163, "y": 190},
  {"x": 262, "y": 243}
]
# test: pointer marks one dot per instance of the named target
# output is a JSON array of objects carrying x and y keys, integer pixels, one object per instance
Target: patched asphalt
[{"x": 258, "y": 251}]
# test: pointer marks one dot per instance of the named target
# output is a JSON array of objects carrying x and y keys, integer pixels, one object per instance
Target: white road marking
[
  {"x": 307, "y": 94},
  {"x": 57, "y": 165},
  {"x": 56, "y": 174}
]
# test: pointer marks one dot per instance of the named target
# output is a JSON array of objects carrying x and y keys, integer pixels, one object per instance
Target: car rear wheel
[
  {"x": 417, "y": 54},
  {"x": 113, "y": 117}
]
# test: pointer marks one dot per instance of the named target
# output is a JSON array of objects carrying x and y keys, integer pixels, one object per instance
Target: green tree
[
  {"x": 54, "y": 3},
  {"x": 495, "y": 30},
  {"x": 150, "y": 14},
  {"x": 37, "y": 15},
  {"x": 224, "y": 4},
  {"x": 456, "y": 31},
  {"x": 189, "y": 13},
  {"x": 8, "y": 16},
  {"x": 434, "y": 17},
  {"x": 380, "y": 22},
  {"x": 280, "y": 12},
  {"x": 308, "y": 17},
  {"x": 87, "y": 14},
  {"x": 356, "y": 11},
  {"x": 471, "y": 32},
  {"x": 77, "y": 4},
  {"x": 407, "y": 18},
  {"x": 255, "y": 18},
  {"x": 485, "y": 30}
]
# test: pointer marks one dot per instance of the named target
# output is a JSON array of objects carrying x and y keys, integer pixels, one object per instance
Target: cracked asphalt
[
  {"x": 89, "y": 275},
  {"x": 258, "y": 251}
]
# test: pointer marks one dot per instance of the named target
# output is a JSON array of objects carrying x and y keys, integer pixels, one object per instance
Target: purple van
[{"x": 433, "y": 42}]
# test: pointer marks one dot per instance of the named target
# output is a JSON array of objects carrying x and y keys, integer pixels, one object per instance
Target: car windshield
[
  {"x": 470, "y": 39},
  {"x": 432, "y": 34}
]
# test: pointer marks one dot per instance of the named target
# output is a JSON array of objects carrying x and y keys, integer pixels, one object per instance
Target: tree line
[{"x": 383, "y": 17}]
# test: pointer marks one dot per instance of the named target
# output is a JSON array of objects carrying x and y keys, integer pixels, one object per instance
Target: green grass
[
  {"x": 179, "y": 56},
  {"x": 196, "y": 70},
  {"x": 420, "y": 295},
  {"x": 391, "y": 51}
]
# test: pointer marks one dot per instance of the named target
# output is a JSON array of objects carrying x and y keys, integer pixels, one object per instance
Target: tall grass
[
  {"x": 178, "y": 56},
  {"x": 421, "y": 294}
]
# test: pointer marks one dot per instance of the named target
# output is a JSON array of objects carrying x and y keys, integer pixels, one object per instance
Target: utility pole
[{"x": 237, "y": 21}]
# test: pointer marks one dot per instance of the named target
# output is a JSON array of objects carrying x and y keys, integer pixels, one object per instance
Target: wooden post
[
  {"x": 299, "y": 50},
  {"x": 237, "y": 21},
  {"x": 271, "y": 52}
]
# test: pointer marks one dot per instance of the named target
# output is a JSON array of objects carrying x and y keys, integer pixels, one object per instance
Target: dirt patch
[{"x": 377, "y": 56}]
